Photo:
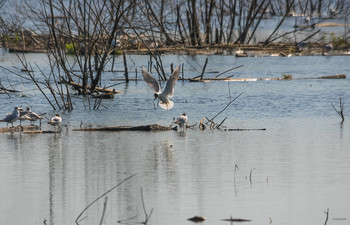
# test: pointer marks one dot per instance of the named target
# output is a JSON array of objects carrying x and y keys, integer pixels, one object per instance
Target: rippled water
[{"x": 289, "y": 174}]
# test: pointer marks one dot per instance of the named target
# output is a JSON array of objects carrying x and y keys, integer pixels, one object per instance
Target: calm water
[{"x": 299, "y": 166}]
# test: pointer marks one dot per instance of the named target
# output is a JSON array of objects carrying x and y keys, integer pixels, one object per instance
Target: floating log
[
  {"x": 152, "y": 127},
  {"x": 240, "y": 129},
  {"x": 98, "y": 89},
  {"x": 41, "y": 132},
  {"x": 339, "y": 76},
  {"x": 104, "y": 95},
  {"x": 236, "y": 220},
  {"x": 26, "y": 128},
  {"x": 197, "y": 219}
]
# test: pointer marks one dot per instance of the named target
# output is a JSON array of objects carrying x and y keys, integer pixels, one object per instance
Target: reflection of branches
[
  {"x": 104, "y": 194},
  {"x": 147, "y": 216},
  {"x": 327, "y": 213}
]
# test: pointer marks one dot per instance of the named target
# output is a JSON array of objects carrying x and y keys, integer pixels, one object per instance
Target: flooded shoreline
[{"x": 296, "y": 168}]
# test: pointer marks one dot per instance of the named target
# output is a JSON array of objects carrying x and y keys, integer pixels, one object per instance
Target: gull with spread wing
[{"x": 168, "y": 92}]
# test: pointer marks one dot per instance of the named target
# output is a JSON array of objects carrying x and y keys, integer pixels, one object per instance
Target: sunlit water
[{"x": 289, "y": 174}]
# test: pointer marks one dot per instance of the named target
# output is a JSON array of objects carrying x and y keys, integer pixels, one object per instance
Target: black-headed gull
[
  {"x": 182, "y": 121},
  {"x": 55, "y": 121},
  {"x": 167, "y": 93}
]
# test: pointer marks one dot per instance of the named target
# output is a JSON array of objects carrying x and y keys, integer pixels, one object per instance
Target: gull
[
  {"x": 182, "y": 121},
  {"x": 168, "y": 92},
  {"x": 55, "y": 121},
  {"x": 32, "y": 116},
  {"x": 10, "y": 118},
  {"x": 22, "y": 115}
]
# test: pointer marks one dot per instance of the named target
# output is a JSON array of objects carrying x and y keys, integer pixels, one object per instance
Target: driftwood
[
  {"x": 197, "y": 219},
  {"x": 26, "y": 128},
  {"x": 152, "y": 127},
  {"x": 41, "y": 132},
  {"x": 236, "y": 220},
  {"x": 339, "y": 76},
  {"x": 98, "y": 89},
  {"x": 240, "y": 129}
]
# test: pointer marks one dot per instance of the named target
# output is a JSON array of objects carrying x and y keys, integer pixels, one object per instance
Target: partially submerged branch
[{"x": 340, "y": 112}]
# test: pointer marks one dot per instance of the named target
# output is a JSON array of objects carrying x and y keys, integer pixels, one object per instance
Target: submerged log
[
  {"x": 244, "y": 129},
  {"x": 98, "y": 89},
  {"x": 339, "y": 76},
  {"x": 197, "y": 219},
  {"x": 26, "y": 128},
  {"x": 104, "y": 96},
  {"x": 41, "y": 132},
  {"x": 236, "y": 220},
  {"x": 152, "y": 127}
]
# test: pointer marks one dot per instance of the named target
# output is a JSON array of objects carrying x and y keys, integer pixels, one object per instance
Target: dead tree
[
  {"x": 289, "y": 5},
  {"x": 209, "y": 5}
]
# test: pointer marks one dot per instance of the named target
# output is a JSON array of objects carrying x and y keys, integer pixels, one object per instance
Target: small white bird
[
  {"x": 182, "y": 121},
  {"x": 55, "y": 121},
  {"x": 11, "y": 118},
  {"x": 168, "y": 92}
]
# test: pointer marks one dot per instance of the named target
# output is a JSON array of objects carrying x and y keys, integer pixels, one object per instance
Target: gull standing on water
[
  {"x": 182, "y": 121},
  {"x": 10, "y": 118},
  {"x": 55, "y": 121},
  {"x": 168, "y": 92}
]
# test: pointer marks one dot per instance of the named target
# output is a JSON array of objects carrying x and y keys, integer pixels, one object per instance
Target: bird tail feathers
[{"x": 166, "y": 106}]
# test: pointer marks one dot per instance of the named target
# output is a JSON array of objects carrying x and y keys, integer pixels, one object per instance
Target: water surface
[{"x": 289, "y": 174}]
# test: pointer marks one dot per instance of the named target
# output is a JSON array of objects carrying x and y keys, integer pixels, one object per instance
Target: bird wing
[
  {"x": 10, "y": 117},
  {"x": 150, "y": 80},
  {"x": 34, "y": 115},
  {"x": 170, "y": 84},
  {"x": 56, "y": 119}
]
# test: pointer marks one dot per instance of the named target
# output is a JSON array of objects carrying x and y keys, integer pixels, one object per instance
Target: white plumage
[
  {"x": 55, "y": 121},
  {"x": 182, "y": 121},
  {"x": 29, "y": 115},
  {"x": 167, "y": 93}
]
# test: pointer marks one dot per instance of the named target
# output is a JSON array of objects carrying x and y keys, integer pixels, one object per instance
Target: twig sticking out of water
[
  {"x": 104, "y": 194},
  {"x": 147, "y": 217},
  {"x": 341, "y": 109},
  {"x": 104, "y": 210},
  {"x": 226, "y": 106},
  {"x": 203, "y": 70},
  {"x": 327, "y": 213},
  {"x": 234, "y": 178},
  {"x": 228, "y": 71},
  {"x": 202, "y": 125},
  {"x": 250, "y": 175}
]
